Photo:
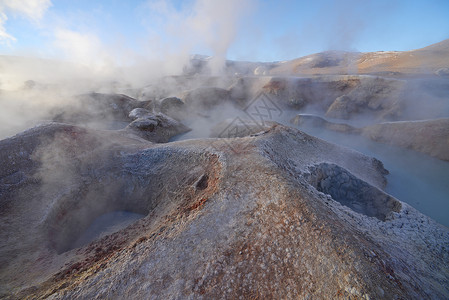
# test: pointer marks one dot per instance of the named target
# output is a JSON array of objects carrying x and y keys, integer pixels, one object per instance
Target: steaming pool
[{"x": 415, "y": 178}]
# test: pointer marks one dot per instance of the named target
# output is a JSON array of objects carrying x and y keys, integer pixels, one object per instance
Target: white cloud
[
  {"x": 32, "y": 10},
  {"x": 4, "y": 36},
  {"x": 83, "y": 48}
]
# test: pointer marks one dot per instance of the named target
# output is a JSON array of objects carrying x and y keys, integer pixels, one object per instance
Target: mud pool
[
  {"x": 106, "y": 224},
  {"x": 415, "y": 178}
]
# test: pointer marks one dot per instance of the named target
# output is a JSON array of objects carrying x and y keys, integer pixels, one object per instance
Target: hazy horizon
[{"x": 105, "y": 32}]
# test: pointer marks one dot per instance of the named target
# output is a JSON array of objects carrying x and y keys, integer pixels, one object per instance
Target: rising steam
[{"x": 81, "y": 60}]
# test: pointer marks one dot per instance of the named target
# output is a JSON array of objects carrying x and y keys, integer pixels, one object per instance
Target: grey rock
[
  {"x": 144, "y": 124},
  {"x": 157, "y": 128},
  {"x": 137, "y": 113}
]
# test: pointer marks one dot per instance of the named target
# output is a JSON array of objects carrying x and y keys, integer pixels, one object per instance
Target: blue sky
[{"x": 258, "y": 30}]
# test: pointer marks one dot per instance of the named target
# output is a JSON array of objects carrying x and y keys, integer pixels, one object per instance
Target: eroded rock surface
[
  {"x": 376, "y": 95},
  {"x": 244, "y": 217}
]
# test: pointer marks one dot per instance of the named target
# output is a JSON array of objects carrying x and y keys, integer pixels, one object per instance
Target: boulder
[
  {"x": 157, "y": 128},
  {"x": 137, "y": 113},
  {"x": 171, "y": 106}
]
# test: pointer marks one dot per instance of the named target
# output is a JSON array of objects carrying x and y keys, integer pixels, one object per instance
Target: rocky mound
[
  {"x": 428, "y": 136},
  {"x": 316, "y": 121},
  {"x": 374, "y": 96},
  {"x": 257, "y": 216}
]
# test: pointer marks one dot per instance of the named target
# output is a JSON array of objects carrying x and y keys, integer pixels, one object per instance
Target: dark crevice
[{"x": 202, "y": 183}]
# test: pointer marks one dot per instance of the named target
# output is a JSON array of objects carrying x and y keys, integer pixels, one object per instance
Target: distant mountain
[
  {"x": 422, "y": 61},
  {"x": 426, "y": 60}
]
